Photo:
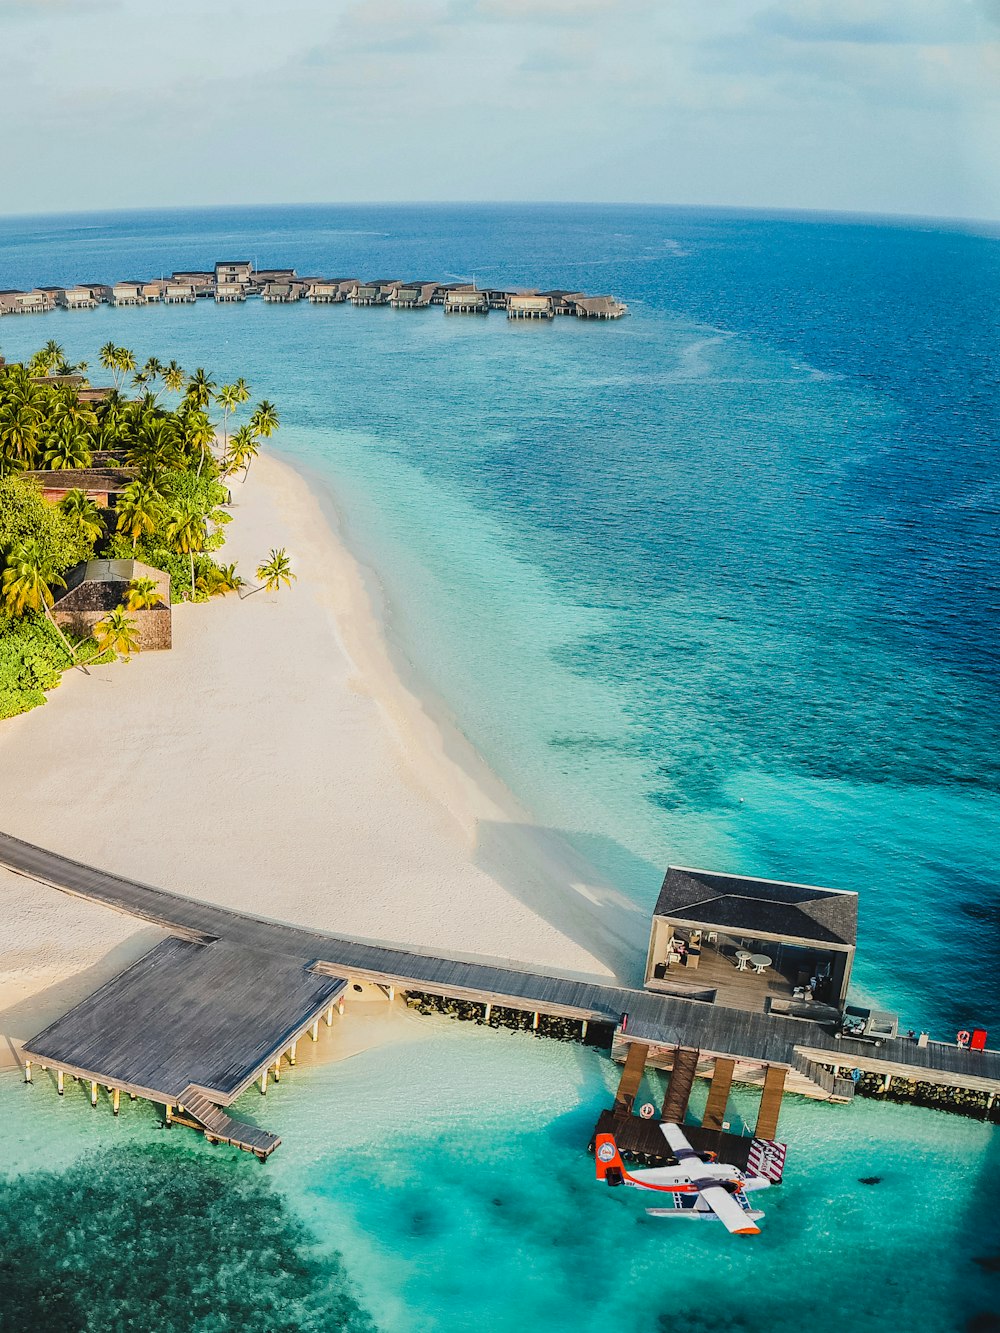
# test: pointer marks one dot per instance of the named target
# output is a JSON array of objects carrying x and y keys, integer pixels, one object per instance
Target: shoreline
[{"x": 276, "y": 746}]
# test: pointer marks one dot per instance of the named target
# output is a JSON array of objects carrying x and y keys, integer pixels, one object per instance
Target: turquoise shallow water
[{"x": 716, "y": 584}]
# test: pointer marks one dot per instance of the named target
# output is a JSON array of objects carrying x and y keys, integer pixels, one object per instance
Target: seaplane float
[{"x": 701, "y": 1189}]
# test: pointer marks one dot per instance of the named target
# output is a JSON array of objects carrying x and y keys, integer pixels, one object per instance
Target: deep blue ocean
[{"x": 716, "y": 584}]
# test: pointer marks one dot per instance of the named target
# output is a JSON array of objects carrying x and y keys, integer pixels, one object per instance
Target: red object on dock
[{"x": 978, "y": 1042}]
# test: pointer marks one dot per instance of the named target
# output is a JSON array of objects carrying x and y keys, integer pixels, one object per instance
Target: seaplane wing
[
  {"x": 727, "y": 1210},
  {"x": 679, "y": 1145}
]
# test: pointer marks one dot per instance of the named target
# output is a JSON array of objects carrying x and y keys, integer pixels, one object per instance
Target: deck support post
[
  {"x": 486, "y": 1013},
  {"x": 93, "y": 1094},
  {"x": 534, "y": 1023},
  {"x": 340, "y": 1003},
  {"x": 27, "y": 1071},
  {"x": 168, "y": 1113},
  {"x": 887, "y": 1083},
  {"x": 263, "y": 1084},
  {"x": 390, "y": 990},
  {"x": 291, "y": 1052},
  {"x": 116, "y": 1100},
  {"x": 329, "y": 1016},
  {"x": 314, "y": 1031},
  {"x": 277, "y": 1070},
  {"x": 59, "y": 1082},
  {"x": 131, "y": 1096},
  {"x": 583, "y": 1030}
]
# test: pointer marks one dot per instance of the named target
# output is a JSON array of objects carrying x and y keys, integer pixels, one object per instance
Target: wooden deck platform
[
  {"x": 664, "y": 1022},
  {"x": 190, "y": 1025}
]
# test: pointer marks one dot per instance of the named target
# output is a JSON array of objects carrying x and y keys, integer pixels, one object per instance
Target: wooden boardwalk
[{"x": 662, "y": 1022}]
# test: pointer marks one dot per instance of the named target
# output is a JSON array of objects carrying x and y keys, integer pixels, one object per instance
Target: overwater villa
[
  {"x": 466, "y": 301},
  {"x": 753, "y": 943},
  {"x": 530, "y": 306},
  {"x": 127, "y": 293}
]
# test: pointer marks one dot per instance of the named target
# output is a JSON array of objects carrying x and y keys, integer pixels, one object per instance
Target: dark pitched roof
[
  {"x": 738, "y": 903},
  {"x": 112, "y": 479}
]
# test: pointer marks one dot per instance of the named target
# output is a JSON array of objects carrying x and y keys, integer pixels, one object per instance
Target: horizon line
[{"x": 763, "y": 209}]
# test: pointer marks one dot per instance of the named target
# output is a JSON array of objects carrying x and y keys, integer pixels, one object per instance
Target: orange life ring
[{"x": 963, "y": 1038}]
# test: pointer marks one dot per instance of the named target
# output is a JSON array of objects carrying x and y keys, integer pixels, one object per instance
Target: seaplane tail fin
[
  {"x": 728, "y": 1211},
  {"x": 608, "y": 1159}
]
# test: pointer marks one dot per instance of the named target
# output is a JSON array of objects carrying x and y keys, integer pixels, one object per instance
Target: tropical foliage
[{"x": 169, "y": 514}]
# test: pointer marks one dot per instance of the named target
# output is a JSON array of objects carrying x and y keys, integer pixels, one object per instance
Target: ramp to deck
[
  {"x": 770, "y": 1102},
  {"x": 675, "y": 1103},
  {"x": 635, "y": 1064},
  {"x": 718, "y": 1094}
]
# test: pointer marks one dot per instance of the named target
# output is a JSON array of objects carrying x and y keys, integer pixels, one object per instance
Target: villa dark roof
[
  {"x": 101, "y": 585},
  {"x": 759, "y": 906},
  {"x": 110, "y": 479}
]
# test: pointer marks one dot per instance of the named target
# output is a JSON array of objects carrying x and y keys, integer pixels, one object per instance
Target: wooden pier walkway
[{"x": 661, "y": 1022}]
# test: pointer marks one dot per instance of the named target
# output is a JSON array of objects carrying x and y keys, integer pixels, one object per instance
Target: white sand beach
[{"x": 274, "y": 761}]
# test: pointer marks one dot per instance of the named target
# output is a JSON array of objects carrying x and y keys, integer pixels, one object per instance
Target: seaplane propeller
[{"x": 698, "y": 1188}]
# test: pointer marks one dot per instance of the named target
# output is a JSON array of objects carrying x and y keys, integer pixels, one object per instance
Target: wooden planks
[
  {"x": 632, "y": 1072},
  {"x": 187, "y": 1014},
  {"x": 770, "y": 1103},
  {"x": 682, "y": 1077},
  {"x": 718, "y": 1094}
]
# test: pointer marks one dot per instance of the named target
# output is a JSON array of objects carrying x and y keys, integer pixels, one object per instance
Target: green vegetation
[
  {"x": 168, "y": 1239},
  {"x": 169, "y": 514}
]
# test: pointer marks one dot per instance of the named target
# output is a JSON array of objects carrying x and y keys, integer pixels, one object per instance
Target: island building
[
  {"x": 753, "y": 943},
  {"x": 599, "y": 307},
  {"x": 530, "y": 306},
  {"x": 226, "y": 292},
  {"x": 179, "y": 293},
  {"x": 233, "y": 273},
  {"x": 35, "y": 302},
  {"x": 99, "y": 586},
  {"x": 127, "y": 293},
  {"x": 201, "y": 281},
  {"x": 79, "y": 298},
  {"x": 466, "y": 301},
  {"x": 100, "y": 484}
]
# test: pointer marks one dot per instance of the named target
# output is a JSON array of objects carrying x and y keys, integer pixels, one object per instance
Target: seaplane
[{"x": 702, "y": 1189}]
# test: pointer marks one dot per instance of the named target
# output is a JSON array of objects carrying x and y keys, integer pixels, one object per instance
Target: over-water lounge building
[{"x": 752, "y": 943}]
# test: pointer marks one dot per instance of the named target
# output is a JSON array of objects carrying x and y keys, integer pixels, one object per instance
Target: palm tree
[
  {"x": 264, "y": 421},
  {"x": 200, "y": 388},
  {"x": 218, "y": 579},
  {"x": 109, "y": 359},
  {"x": 142, "y": 595},
  {"x": 84, "y": 515},
  {"x": 187, "y": 531},
  {"x": 173, "y": 377},
  {"x": 242, "y": 451},
  {"x": 275, "y": 570},
  {"x": 140, "y": 509},
  {"x": 125, "y": 364},
  {"x": 28, "y": 580},
  {"x": 19, "y": 425},
  {"x": 228, "y": 399},
  {"x": 199, "y": 434},
  {"x": 242, "y": 390},
  {"x": 68, "y": 446},
  {"x": 118, "y": 633}
]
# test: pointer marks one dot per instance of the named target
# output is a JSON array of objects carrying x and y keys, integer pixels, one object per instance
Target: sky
[{"x": 884, "y": 106}]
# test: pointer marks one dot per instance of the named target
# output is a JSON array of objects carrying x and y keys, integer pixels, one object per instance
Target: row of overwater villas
[{"x": 235, "y": 281}]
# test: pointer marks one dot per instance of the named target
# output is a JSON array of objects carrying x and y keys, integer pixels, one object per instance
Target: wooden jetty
[
  {"x": 190, "y": 1025},
  {"x": 276, "y": 969}
]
